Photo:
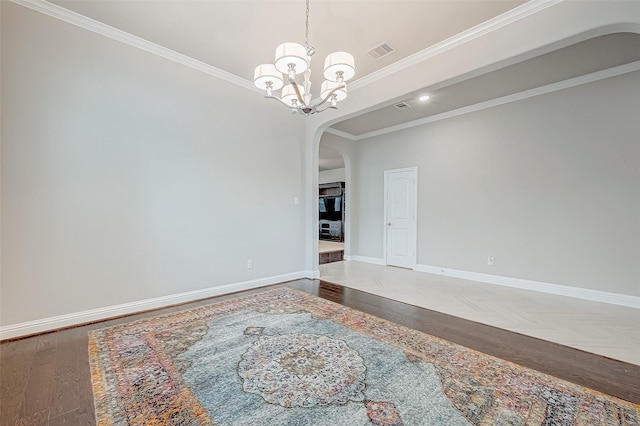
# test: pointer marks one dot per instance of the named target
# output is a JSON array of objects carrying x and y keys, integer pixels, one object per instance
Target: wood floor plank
[
  {"x": 38, "y": 418},
  {"x": 40, "y": 381},
  {"x": 16, "y": 359},
  {"x": 70, "y": 418},
  {"x": 66, "y": 375},
  {"x": 86, "y": 409}
]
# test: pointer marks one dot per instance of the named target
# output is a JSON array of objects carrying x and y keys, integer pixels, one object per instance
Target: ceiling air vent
[
  {"x": 402, "y": 105},
  {"x": 381, "y": 50}
]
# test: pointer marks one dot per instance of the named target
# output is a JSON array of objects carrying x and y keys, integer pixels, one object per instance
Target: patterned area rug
[{"x": 283, "y": 357}]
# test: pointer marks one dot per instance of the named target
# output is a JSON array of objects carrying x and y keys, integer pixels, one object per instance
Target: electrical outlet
[
  {"x": 249, "y": 264},
  {"x": 490, "y": 260}
]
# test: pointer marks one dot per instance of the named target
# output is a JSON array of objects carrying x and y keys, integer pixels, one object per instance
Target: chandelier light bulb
[
  {"x": 339, "y": 66},
  {"x": 265, "y": 74},
  {"x": 328, "y": 86},
  {"x": 289, "y": 95},
  {"x": 291, "y": 56}
]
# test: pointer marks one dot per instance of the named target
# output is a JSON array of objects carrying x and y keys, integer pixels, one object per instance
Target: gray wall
[
  {"x": 549, "y": 186},
  {"x": 126, "y": 176}
]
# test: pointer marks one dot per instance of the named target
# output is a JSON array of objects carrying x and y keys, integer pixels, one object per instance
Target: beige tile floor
[{"x": 609, "y": 330}]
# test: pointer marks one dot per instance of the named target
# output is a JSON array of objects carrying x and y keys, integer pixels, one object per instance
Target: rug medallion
[{"x": 283, "y": 357}]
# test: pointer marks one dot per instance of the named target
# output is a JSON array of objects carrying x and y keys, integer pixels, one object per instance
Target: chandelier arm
[
  {"x": 326, "y": 108},
  {"x": 330, "y": 94},
  {"x": 299, "y": 108},
  {"x": 281, "y": 101},
  {"x": 295, "y": 87}
]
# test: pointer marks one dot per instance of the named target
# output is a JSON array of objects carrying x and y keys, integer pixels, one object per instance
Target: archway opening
[{"x": 332, "y": 204}]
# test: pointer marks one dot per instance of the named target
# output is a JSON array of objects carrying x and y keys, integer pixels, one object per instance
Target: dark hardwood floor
[{"x": 45, "y": 379}]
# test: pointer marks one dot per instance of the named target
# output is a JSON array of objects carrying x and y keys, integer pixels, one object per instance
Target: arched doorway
[{"x": 333, "y": 200}]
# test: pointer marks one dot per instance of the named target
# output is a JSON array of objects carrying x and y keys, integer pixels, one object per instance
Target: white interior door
[{"x": 400, "y": 188}]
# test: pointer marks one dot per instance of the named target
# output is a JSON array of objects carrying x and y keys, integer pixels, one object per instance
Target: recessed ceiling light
[{"x": 424, "y": 98}]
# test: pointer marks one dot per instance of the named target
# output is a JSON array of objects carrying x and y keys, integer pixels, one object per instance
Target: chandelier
[{"x": 293, "y": 59}]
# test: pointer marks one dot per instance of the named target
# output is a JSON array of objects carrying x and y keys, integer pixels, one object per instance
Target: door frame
[{"x": 415, "y": 213}]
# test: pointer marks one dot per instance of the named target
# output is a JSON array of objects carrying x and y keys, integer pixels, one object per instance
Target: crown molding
[
  {"x": 58, "y": 12},
  {"x": 553, "y": 87},
  {"x": 513, "y": 15},
  {"x": 342, "y": 134},
  {"x": 97, "y": 27}
]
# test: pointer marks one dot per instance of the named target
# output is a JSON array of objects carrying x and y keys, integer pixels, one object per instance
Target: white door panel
[
  {"x": 399, "y": 242},
  {"x": 400, "y": 217}
]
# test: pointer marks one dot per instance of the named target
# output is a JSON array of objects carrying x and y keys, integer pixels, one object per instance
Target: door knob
[{"x": 388, "y": 223}]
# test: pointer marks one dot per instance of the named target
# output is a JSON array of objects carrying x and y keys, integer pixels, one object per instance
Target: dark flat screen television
[{"x": 330, "y": 207}]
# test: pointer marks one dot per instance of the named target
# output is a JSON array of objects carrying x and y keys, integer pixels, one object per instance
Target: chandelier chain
[{"x": 306, "y": 34}]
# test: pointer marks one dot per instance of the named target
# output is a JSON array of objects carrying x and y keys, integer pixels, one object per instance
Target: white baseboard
[
  {"x": 312, "y": 275},
  {"x": 561, "y": 290},
  {"x": 67, "y": 320},
  {"x": 374, "y": 260}
]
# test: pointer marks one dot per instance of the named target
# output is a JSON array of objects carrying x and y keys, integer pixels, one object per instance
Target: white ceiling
[
  {"x": 329, "y": 158},
  {"x": 236, "y": 35}
]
